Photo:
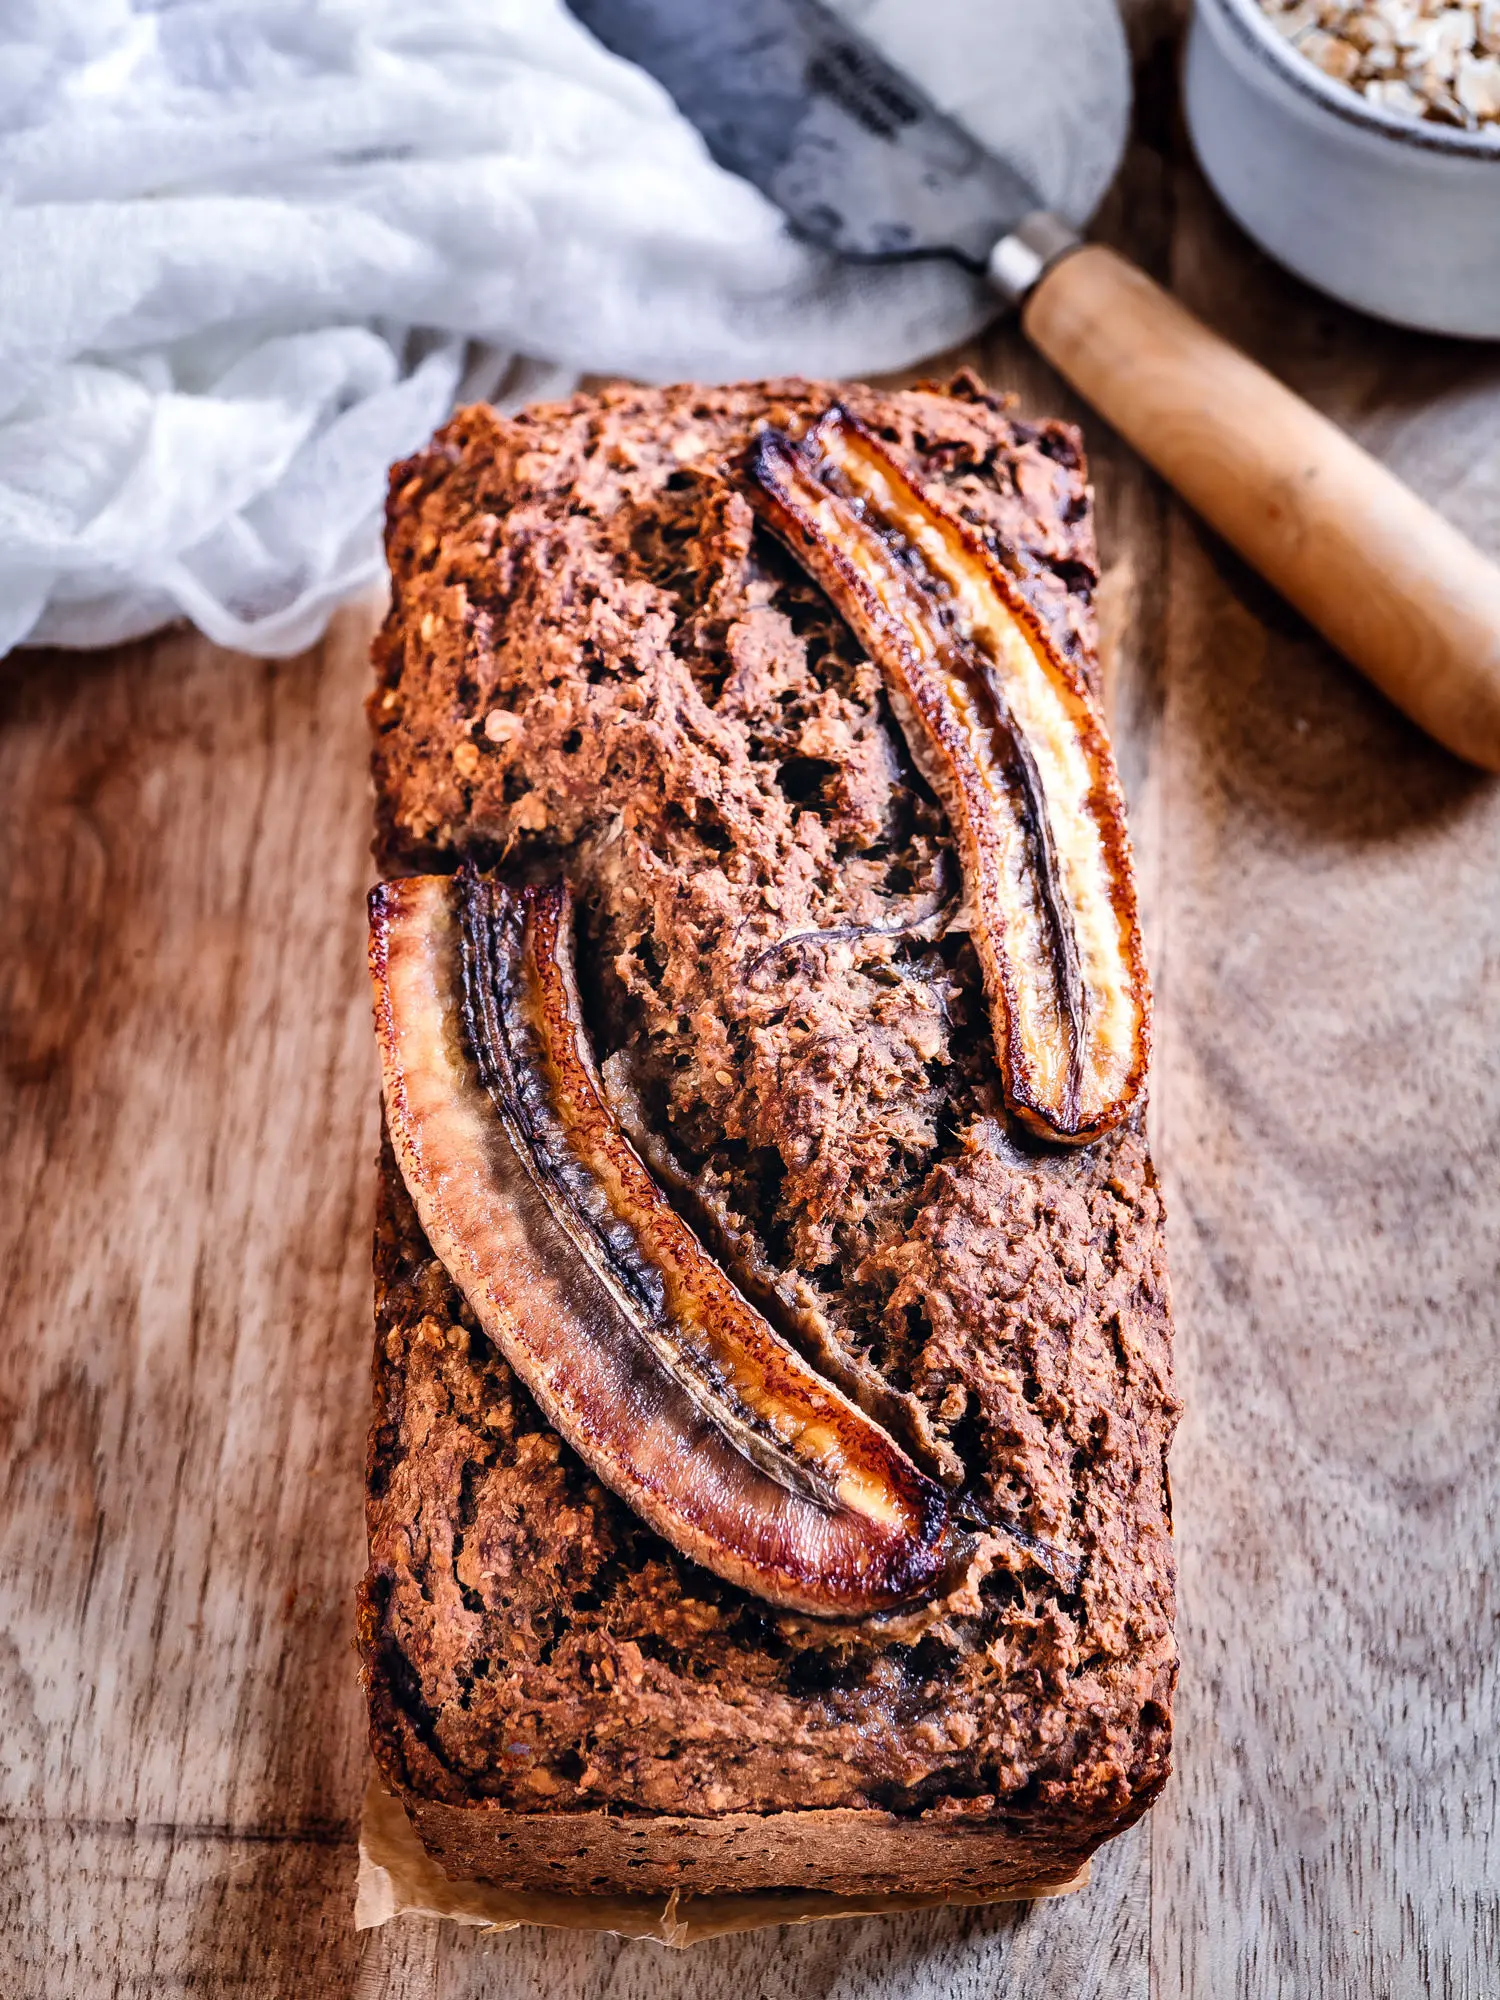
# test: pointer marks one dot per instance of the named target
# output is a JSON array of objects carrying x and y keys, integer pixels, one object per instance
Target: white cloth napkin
[{"x": 250, "y": 251}]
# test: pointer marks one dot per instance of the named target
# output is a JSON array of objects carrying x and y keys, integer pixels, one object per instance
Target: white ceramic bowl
[{"x": 1399, "y": 216}]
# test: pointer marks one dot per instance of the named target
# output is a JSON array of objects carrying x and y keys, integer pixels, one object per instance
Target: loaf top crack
[{"x": 596, "y": 656}]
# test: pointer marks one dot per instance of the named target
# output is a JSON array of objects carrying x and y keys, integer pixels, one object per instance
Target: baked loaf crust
[{"x": 594, "y": 653}]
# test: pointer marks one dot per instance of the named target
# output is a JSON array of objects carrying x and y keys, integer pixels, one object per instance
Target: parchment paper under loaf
[{"x": 397, "y": 1878}]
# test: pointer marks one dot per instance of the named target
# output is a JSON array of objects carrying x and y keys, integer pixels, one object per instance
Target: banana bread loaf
[{"x": 599, "y": 656}]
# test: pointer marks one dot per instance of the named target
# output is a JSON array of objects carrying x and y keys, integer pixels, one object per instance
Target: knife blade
[{"x": 791, "y": 98}]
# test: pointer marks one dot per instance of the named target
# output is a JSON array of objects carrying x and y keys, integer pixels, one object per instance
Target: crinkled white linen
[{"x": 251, "y": 251}]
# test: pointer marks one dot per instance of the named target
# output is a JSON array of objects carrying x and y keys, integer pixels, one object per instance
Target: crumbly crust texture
[
  {"x": 843, "y": 1851},
  {"x": 593, "y": 654}
]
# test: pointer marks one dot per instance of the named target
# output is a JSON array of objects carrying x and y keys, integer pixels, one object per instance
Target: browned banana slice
[
  {"x": 634, "y": 1342},
  {"x": 1007, "y": 734}
]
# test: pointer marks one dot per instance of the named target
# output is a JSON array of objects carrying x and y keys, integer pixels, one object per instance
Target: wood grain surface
[{"x": 188, "y": 1116}]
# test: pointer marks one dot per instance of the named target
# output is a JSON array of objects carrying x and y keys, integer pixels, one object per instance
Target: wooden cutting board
[{"x": 189, "y": 1125}]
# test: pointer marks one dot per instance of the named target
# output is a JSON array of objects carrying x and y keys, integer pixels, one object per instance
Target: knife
[{"x": 861, "y": 162}]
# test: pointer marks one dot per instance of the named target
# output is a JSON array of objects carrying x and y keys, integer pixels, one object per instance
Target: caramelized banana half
[
  {"x": 634, "y": 1342},
  {"x": 1008, "y": 736}
]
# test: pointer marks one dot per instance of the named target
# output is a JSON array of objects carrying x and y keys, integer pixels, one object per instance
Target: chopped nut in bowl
[
  {"x": 1437, "y": 59},
  {"x": 1358, "y": 141}
]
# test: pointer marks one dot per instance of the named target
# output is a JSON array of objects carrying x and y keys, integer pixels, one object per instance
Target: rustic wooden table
[{"x": 189, "y": 1128}]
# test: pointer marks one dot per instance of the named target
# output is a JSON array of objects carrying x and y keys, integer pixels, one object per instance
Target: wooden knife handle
[{"x": 1393, "y": 585}]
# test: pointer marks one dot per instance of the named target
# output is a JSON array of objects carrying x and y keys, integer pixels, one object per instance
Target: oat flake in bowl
[
  {"x": 1379, "y": 185},
  {"x": 1421, "y": 58}
]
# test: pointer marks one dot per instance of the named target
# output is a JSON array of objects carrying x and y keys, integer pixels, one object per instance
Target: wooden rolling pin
[{"x": 1384, "y": 577}]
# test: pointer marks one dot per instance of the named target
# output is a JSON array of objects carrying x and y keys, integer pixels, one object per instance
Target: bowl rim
[{"x": 1256, "y": 32}]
